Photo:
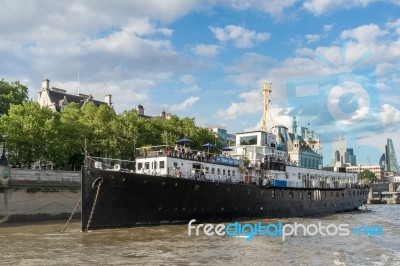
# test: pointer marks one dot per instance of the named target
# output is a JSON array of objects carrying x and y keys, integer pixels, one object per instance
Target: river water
[{"x": 44, "y": 244}]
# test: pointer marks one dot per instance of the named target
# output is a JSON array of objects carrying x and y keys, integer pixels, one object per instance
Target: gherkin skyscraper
[{"x": 391, "y": 160}]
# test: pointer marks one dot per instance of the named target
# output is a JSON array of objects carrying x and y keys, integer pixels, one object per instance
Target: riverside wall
[
  {"x": 29, "y": 195},
  {"x": 377, "y": 191}
]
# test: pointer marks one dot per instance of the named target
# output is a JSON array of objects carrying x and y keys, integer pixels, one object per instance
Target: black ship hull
[{"x": 129, "y": 199}]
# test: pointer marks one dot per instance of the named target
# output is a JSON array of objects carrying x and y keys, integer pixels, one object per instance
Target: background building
[
  {"x": 350, "y": 158},
  {"x": 56, "y": 99},
  {"x": 391, "y": 160},
  {"x": 304, "y": 149},
  {"x": 140, "y": 111},
  {"x": 376, "y": 169}
]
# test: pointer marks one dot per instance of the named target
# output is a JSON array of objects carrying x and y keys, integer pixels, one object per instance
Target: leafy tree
[
  {"x": 39, "y": 134},
  {"x": 11, "y": 93},
  {"x": 72, "y": 133},
  {"x": 29, "y": 131},
  {"x": 367, "y": 176}
]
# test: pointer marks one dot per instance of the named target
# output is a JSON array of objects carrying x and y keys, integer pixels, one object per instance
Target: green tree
[
  {"x": 30, "y": 133},
  {"x": 11, "y": 93},
  {"x": 367, "y": 176},
  {"x": 71, "y": 138},
  {"x": 100, "y": 136}
]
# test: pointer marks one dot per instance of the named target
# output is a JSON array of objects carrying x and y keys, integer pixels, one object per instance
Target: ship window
[
  {"x": 273, "y": 193},
  {"x": 248, "y": 140},
  {"x": 147, "y": 165},
  {"x": 229, "y": 172},
  {"x": 299, "y": 175},
  {"x": 281, "y": 194},
  {"x": 212, "y": 170},
  {"x": 291, "y": 194},
  {"x": 233, "y": 172},
  {"x": 223, "y": 171},
  {"x": 301, "y": 194},
  {"x": 218, "y": 171},
  {"x": 162, "y": 164},
  {"x": 139, "y": 166}
]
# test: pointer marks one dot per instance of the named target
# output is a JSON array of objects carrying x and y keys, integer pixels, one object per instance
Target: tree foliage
[
  {"x": 367, "y": 176},
  {"x": 37, "y": 134},
  {"x": 11, "y": 93}
]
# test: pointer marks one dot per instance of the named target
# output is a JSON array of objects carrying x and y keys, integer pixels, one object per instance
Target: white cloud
[
  {"x": 187, "y": 79},
  {"x": 142, "y": 27},
  {"x": 241, "y": 37},
  {"x": 249, "y": 69},
  {"x": 319, "y": 7},
  {"x": 194, "y": 88},
  {"x": 189, "y": 102},
  {"x": 382, "y": 86},
  {"x": 206, "y": 50},
  {"x": 272, "y": 7},
  {"x": 366, "y": 34},
  {"x": 395, "y": 25},
  {"x": 328, "y": 27},
  {"x": 304, "y": 52},
  {"x": 386, "y": 68},
  {"x": 190, "y": 84},
  {"x": 251, "y": 103},
  {"x": 390, "y": 115},
  {"x": 312, "y": 37}
]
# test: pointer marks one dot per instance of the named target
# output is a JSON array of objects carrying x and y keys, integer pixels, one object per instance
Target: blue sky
[{"x": 333, "y": 64}]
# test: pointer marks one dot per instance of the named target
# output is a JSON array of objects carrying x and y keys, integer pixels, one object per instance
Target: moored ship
[{"x": 252, "y": 179}]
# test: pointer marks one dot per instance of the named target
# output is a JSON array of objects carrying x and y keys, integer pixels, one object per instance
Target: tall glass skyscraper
[{"x": 391, "y": 160}]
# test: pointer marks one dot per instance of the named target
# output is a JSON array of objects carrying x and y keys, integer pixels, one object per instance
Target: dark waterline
[{"x": 43, "y": 243}]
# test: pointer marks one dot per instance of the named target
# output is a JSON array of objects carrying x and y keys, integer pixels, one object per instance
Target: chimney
[
  {"x": 46, "y": 84},
  {"x": 107, "y": 100},
  {"x": 140, "y": 109}
]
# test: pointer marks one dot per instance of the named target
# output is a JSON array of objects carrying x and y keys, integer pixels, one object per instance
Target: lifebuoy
[{"x": 4, "y": 174}]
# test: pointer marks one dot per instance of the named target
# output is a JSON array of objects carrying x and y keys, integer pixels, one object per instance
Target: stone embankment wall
[
  {"x": 377, "y": 190},
  {"x": 39, "y": 195}
]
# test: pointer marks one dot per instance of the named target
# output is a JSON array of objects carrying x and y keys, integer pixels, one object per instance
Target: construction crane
[{"x": 266, "y": 92}]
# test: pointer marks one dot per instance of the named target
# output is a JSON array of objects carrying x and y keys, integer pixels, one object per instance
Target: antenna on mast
[
  {"x": 266, "y": 92},
  {"x": 77, "y": 89}
]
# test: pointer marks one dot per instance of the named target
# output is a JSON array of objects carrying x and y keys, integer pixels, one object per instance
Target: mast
[{"x": 266, "y": 91}]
